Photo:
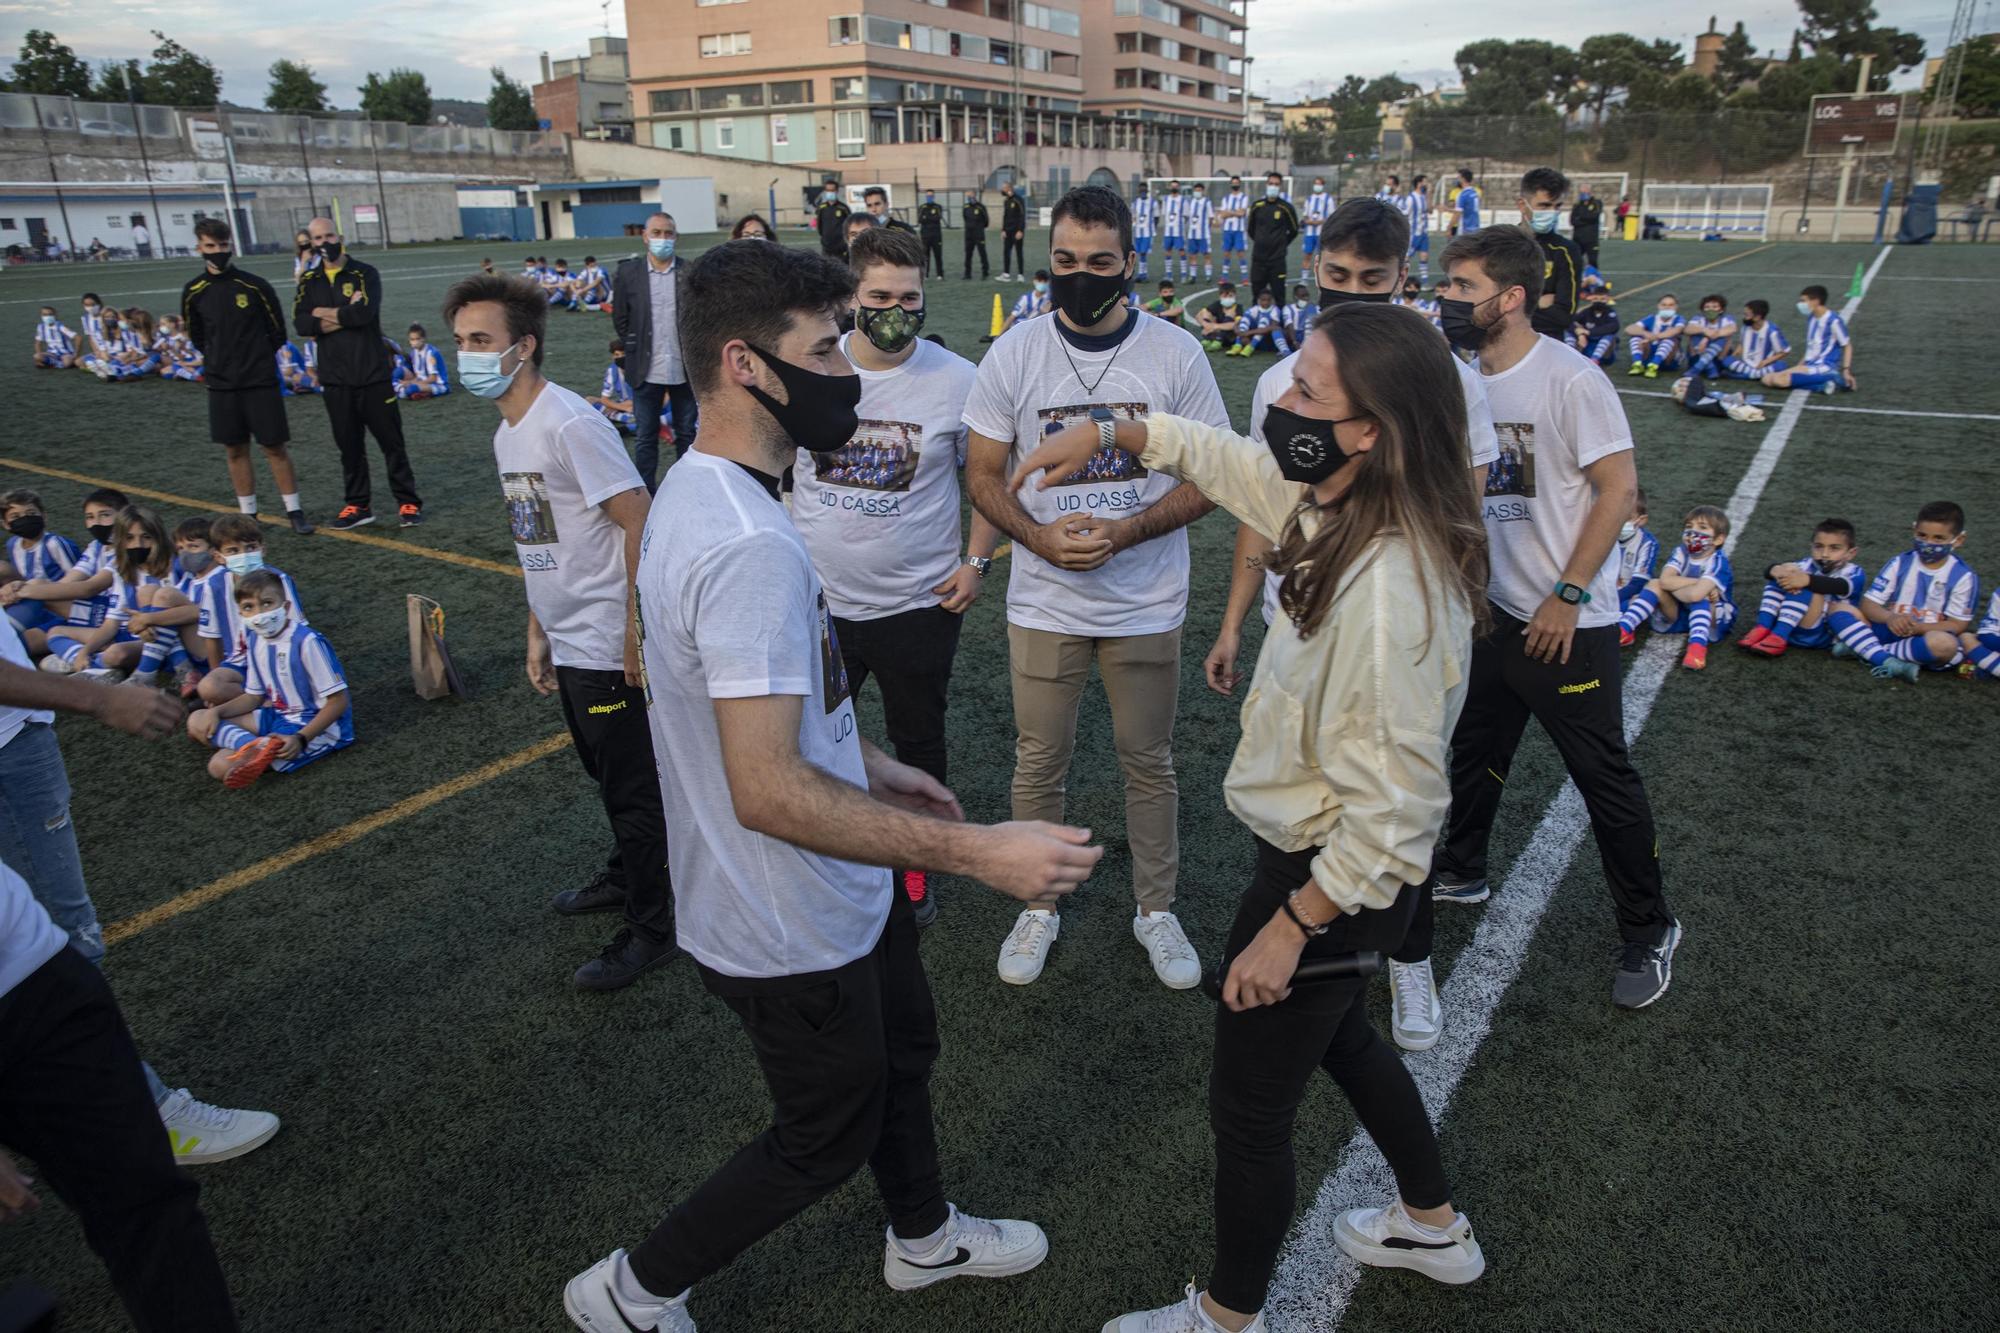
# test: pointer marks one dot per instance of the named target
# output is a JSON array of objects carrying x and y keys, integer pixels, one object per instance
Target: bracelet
[
  {"x": 1304, "y": 929},
  {"x": 1291, "y": 910}
]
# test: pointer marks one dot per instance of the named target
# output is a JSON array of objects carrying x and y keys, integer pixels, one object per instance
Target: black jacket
[
  {"x": 1013, "y": 214},
  {"x": 897, "y": 224},
  {"x": 1272, "y": 224},
  {"x": 632, "y": 312},
  {"x": 353, "y": 354},
  {"x": 1562, "y": 269},
  {"x": 976, "y": 220},
  {"x": 930, "y": 219},
  {"x": 1585, "y": 217},
  {"x": 234, "y": 321},
  {"x": 832, "y": 217}
]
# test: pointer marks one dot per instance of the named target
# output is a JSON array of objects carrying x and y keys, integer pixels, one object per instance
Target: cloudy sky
[{"x": 1300, "y": 46}]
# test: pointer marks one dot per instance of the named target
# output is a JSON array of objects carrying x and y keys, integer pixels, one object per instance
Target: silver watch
[
  {"x": 980, "y": 564},
  {"x": 1107, "y": 427}
]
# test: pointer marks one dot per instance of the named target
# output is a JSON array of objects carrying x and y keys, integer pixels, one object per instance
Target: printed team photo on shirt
[
  {"x": 1513, "y": 472},
  {"x": 1105, "y": 465},
  {"x": 832, "y": 667},
  {"x": 882, "y": 456},
  {"x": 529, "y": 516}
]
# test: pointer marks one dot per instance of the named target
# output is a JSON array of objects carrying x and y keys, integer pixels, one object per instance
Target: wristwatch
[
  {"x": 1571, "y": 593},
  {"x": 980, "y": 564},
  {"x": 1107, "y": 427}
]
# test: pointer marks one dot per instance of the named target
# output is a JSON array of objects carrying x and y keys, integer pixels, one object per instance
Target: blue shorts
[
  {"x": 1197, "y": 245},
  {"x": 1232, "y": 241},
  {"x": 1725, "y": 616},
  {"x": 1420, "y": 241},
  {"x": 1143, "y": 244},
  {"x": 1311, "y": 240},
  {"x": 1819, "y": 636},
  {"x": 1170, "y": 242},
  {"x": 1818, "y": 376},
  {"x": 271, "y": 722},
  {"x": 28, "y": 614}
]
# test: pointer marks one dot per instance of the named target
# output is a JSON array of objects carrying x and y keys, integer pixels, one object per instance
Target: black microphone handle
[{"x": 1365, "y": 963}]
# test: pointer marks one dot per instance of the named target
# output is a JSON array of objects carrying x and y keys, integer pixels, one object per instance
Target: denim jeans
[
  {"x": 649, "y": 401},
  {"x": 38, "y": 839}
]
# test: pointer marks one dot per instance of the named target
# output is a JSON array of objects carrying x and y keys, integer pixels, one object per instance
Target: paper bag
[{"x": 431, "y": 670}]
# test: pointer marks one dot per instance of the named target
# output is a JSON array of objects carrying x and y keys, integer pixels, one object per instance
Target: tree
[
  {"x": 1608, "y": 64},
  {"x": 1511, "y": 77},
  {"x": 1979, "y": 83},
  {"x": 119, "y": 81},
  {"x": 405, "y": 95},
  {"x": 49, "y": 68},
  {"x": 179, "y": 77},
  {"x": 508, "y": 106},
  {"x": 1845, "y": 30},
  {"x": 1737, "y": 62},
  {"x": 295, "y": 88}
]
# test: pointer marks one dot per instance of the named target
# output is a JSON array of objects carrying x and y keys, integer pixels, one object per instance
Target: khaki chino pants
[{"x": 1142, "y": 683}]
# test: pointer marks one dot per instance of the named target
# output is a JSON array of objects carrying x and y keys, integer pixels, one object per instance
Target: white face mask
[
  {"x": 1318, "y": 188},
  {"x": 1804, "y": 309},
  {"x": 268, "y": 624},
  {"x": 1625, "y": 532},
  {"x": 1544, "y": 220},
  {"x": 1668, "y": 311},
  {"x": 1270, "y": 192}
]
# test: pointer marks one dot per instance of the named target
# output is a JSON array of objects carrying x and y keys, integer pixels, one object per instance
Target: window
[
  {"x": 610, "y": 194},
  {"x": 7, "y": 224},
  {"x": 674, "y": 139},
  {"x": 1209, "y": 27},
  {"x": 843, "y": 30},
  {"x": 850, "y": 134},
  {"x": 781, "y": 131},
  {"x": 180, "y": 220},
  {"x": 1064, "y": 21},
  {"x": 1128, "y": 42},
  {"x": 609, "y": 110},
  {"x": 1034, "y": 57},
  {"x": 970, "y": 47},
  {"x": 1127, "y": 78},
  {"x": 1003, "y": 53},
  {"x": 1170, "y": 49},
  {"x": 725, "y": 134},
  {"x": 793, "y": 92},
  {"x": 726, "y": 44},
  {"x": 114, "y": 221},
  {"x": 852, "y": 88},
  {"x": 730, "y": 97},
  {"x": 673, "y": 99}
]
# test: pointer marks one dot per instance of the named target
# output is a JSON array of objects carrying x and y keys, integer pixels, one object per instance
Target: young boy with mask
[
  {"x": 1029, "y": 304},
  {"x": 1235, "y": 245},
  {"x": 1656, "y": 339},
  {"x": 423, "y": 374},
  {"x": 294, "y": 705},
  {"x": 1218, "y": 319},
  {"x": 880, "y": 515},
  {"x": 614, "y": 396},
  {"x": 1828, "y": 362},
  {"x": 1982, "y": 645},
  {"x": 1708, "y": 335},
  {"x": 1638, "y": 554},
  {"x": 55, "y": 342},
  {"x": 222, "y": 639},
  {"x": 1542, "y": 191},
  {"x": 1692, "y": 595},
  {"x": 37, "y": 556},
  {"x": 1298, "y": 316},
  {"x": 1793, "y": 612},
  {"x": 1759, "y": 348},
  {"x": 1196, "y": 221},
  {"x": 1261, "y": 328},
  {"x": 79, "y": 596},
  {"x": 1921, "y": 601},
  {"x": 1166, "y": 305},
  {"x": 1594, "y": 329}
]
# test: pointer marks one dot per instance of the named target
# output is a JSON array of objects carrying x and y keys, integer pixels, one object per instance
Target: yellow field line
[
  {"x": 332, "y": 841},
  {"x": 1702, "y": 268},
  {"x": 188, "y": 502}
]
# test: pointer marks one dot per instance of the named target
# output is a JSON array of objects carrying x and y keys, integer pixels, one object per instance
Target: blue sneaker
[
  {"x": 1895, "y": 668},
  {"x": 1478, "y": 891},
  {"x": 1840, "y": 649}
]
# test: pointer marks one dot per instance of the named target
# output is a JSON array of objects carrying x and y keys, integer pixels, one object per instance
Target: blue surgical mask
[
  {"x": 480, "y": 373},
  {"x": 1544, "y": 220},
  {"x": 244, "y": 562},
  {"x": 1803, "y": 309},
  {"x": 660, "y": 247},
  {"x": 1931, "y": 552},
  {"x": 1270, "y": 192}
]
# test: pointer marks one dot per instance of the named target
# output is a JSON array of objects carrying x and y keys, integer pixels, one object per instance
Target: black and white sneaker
[
  {"x": 352, "y": 516},
  {"x": 971, "y": 1247},
  {"x": 594, "y": 1300},
  {"x": 1474, "y": 891},
  {"x": 1391, "y": 1238},
  {"x": 1644, "y": 972}
]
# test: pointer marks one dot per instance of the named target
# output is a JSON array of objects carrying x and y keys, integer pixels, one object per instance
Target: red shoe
[
  {"x": 916, "y": 885},
  {"x": 1626, "y": 638},
  {"x": 1756, "y": 636},
  {"x": 252, "y": 760},
  {"x": 1696, "y": 658},
  {"x": 1770, "y": 645}
]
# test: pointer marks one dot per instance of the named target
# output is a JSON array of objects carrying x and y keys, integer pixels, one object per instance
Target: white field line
[
  {"x": 1315, "y": 1280},
  {"x": 1865, "y": 411}
]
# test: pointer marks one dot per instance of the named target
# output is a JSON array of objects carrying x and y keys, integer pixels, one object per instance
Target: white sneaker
[
  {"x": 1416, "y": 1017},
  {"x": 1027, "y": 946},
  {"x": 1174, "y": 960},
  {"x": 1391, "y": 1238},
  {"x": 101, "y": 675},
  {"x": 592, "y": 1301},
  {"x": 1183, "y": 1316},
  {"x": 971, "y": 1247},
  {"x": 200, "y": 1133},
  {"x": 143, "y": 678},
  {"x": 56, "y": 665}
]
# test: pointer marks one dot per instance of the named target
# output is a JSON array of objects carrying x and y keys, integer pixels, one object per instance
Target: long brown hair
[
  {"x": 162, "y": 558},
  {"x": 1396, "y": 371}
]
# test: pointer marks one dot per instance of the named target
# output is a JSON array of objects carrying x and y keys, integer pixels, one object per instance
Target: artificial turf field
[{"x": 1800, "y": 1134}]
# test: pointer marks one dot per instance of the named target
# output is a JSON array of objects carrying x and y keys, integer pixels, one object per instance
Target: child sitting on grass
[
  {"x": 1261, "y": 328},
  {"x": 420, "y": 371},
  {"x": 614, "y": 396},
  {"x": 1982, "y": 646},
  {"x": 36, "y": 554},
  {"x": 223, "y": 640},
  {"x": 294, "y": 706},
  {"x": 1692, "y": 594},
  {"x": 1921, "y": 601},
  {"x": 80, "y": 596},
  {"x": 143, "y": 557},
  {"x": 1638, "y": 553},
  {"x": 55, "y": 342},
  {"x": 1797, "y": 595},
  {"x": 1656, "y": 339}
]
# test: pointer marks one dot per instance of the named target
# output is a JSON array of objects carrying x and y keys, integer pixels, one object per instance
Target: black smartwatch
[
  {"x": 1571, "y": 593},
  {"x": 1107, "y": 427}
]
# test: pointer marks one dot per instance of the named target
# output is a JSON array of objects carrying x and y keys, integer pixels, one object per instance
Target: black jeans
[
  {"x": 1013, "y": 255},
  {"x": 847, "y": 1055},
  {"x": 1581, "y": 706},
  {"x": 1265, "y": 1057},
  {"x": 1267, "y": 273},
  {"x": 352, "y": 409},
  {"x": 977, "y": 243},
  {"x": 73, "y": 1099},
  {"x": 607, "y": 720},
  {"x": 934, "y": 251},
  {"x": 910, "y": 655},
  {"x": 1586, "y": 243},
  {"x": 649, "y": 401}
]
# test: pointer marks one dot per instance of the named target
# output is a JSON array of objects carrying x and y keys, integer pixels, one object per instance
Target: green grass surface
[{"x": 1795, "y": 1136}]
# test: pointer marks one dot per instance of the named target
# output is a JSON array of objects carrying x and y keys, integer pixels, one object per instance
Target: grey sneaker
[
  {"x": 1476, "y": 891},
  {"x": 1644, "y": 971},
  {"x": 623, "y": 961},
  {"x": 1895, "y": 668}
]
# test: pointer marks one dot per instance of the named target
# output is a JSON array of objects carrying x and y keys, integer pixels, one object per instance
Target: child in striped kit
[
  {"x": 294, "y": 706},
  {"x": 223, "y": 639},
  {"x": 1759, "y": 348},
  {"x": 1692, "y": 594},
  {"x": 130, "y": 637},
  {"x": 55, "y": 342},
  {"x": 1638, "y": 553},
  {"x": 1797, "y": 595},
  {"x": 1921, "y": 601},
  {"x": 1982, "y": 646},
  {"x": 614, "y": 396}
]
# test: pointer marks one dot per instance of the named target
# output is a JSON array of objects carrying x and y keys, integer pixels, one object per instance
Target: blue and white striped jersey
[
  {"x": 49, "y": 556},
  {"x": 1758, "y": 344},
  {"x": 426, "y": 363},
  {"x": 1029, "y": 304},
  {"x": 1662, "y": 323},
  {"x": 1825, "y": 335},
  {"x": 1637, "y": 557},
  {"x": 1854, "y": 574},
  {"x": 1171, "y": 209},
  {"x": 614, "y": 387},
  {"x": 1142, "y": 216},
  {"x": 1299, "y": 316},
  {"x": 1905, "y": 584},
  {"x": 1258, "y": 319},
  {"x": 1319, "y": 207},
  {"x": 125, "y": 595},
  {"x": 289, "y": 359},
  {"x": 296, "y": 673},
  {"x": 55, "y": 338},
  {"x": 1414, "y": 207},
  {"x": 97, "y": 558},
  {"x": 1238, "y": 202},
  {"x": 1715, "y": 565},
  {"x": 1991, "y": 625},
  {"x": 93, "y": 323},
  {"x": 215, "y": 598},
  {"x": 595, "y": 286},
  {"x": 1703, "y": 330},
  {"x": 1198, "y": 218}
]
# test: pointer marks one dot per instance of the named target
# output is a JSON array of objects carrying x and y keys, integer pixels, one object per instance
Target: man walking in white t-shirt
[
  {"x": 1100, "y": 567},
  {"x": 880, "y": 515},
  {"x": 780, "y": 816},
  {"x": 1562, "y": 487},
  {"x": 576, "y": 508}
]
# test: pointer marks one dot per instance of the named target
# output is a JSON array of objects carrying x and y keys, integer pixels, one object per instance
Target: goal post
[{"x": 1740, "y": 211}]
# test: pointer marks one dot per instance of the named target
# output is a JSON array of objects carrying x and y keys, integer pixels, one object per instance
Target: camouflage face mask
[{"x": 890, "y": 328}]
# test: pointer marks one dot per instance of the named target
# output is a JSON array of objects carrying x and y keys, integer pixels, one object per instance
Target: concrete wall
[{"x": 738, "y": 187}]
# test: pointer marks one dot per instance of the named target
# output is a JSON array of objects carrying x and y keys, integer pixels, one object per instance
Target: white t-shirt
[
  {"x": 1035, "y": 382},
  {"x": 880, "y": 514},
  {"x": 557, "y": 467},
  {"x": 28, "y": 937},
  {"x": 1555, "y": 414},
  {"x": 1482, "y": 446},
  {"x": 15, "y": 653},
  {"x": 731, "y": 609}
]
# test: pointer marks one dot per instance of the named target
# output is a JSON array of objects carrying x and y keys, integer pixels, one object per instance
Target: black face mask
[
  {"x": 101, "y": 531},
  {"x": 1087, "y": 297},
  {"x": 194, "y": 562},
  {"x": 819, "y": 415},
  {"x": 1330, "y": 297},
  {"x": 27, "y": 527},
  {"x": 1306, "y": 448},
  {"x": 890, "y": 328},
  {"x": 140, "y": 554},
  {"x": 220, "y": 259},
  {"x": 1461, "y": 330},
  {"x": 329, "y": 250}
]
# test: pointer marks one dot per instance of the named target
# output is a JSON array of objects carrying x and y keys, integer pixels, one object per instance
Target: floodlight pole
[
  {"x": 1847, "y": 153},
  {"x": 139, "y": 124}
]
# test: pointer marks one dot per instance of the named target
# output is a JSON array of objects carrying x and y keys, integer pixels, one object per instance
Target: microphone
[{"x": 1334, "y": 967}]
